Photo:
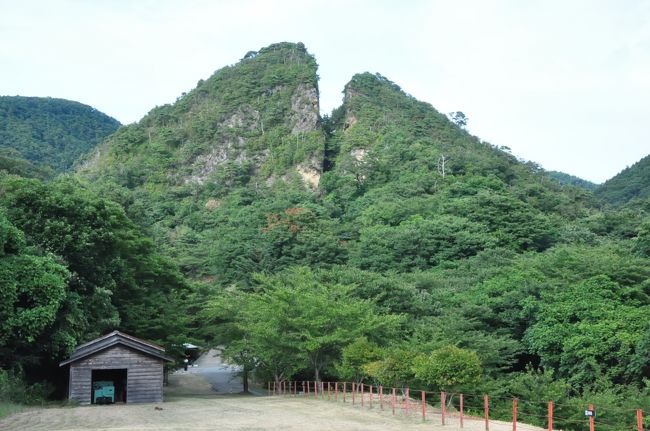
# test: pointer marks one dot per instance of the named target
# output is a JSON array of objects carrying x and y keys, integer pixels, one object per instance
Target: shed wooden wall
[{"x": 144, "y": 375}]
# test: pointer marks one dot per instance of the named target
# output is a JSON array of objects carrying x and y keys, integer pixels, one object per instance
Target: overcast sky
[{"x": 562, "y": 83}]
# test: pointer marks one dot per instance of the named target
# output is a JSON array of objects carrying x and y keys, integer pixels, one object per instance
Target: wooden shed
[{"x": 134, "y": 366}]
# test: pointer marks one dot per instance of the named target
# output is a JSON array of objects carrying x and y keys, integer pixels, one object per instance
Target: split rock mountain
[
  {"x": 242, "y": 176},
  {"x": 209, "y": 172}
]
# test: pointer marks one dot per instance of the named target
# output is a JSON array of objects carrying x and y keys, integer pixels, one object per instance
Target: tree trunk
[{"x": 245, "y": 379}]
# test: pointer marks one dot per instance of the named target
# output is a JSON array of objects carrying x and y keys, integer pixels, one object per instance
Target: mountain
[
  {"x": 630, "y": 184},
  {"x": 384, "y": 228},
  {"x": 258, "y": 118},
  {"x": 220, "y": 173},
  {"x": 51, "y": 133}
]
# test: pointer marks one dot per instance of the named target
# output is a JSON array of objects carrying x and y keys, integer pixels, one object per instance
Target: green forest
[
  {"x": 382, "y": 243},
  {"x": 42, "y": 136}
]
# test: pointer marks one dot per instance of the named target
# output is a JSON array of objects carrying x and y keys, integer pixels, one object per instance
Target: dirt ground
[
  {"x": 200, "y": 399},
  {"x": 199, "y": 413}
]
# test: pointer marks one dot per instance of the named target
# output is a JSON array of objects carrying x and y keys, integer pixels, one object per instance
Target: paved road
[{"x": 223, "y": 378}]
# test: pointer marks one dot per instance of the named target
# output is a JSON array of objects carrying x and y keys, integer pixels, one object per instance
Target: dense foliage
[
  {"x": 564, "y": 178},
  {"x": 383, "y": 243},
  {"x": 51, "y": 133},
  {"x": 632, "y": 183},
  {"x": 73, "y": 267}
]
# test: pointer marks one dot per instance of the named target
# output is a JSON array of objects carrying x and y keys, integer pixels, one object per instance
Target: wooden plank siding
[{"x": 144, "y": 374}]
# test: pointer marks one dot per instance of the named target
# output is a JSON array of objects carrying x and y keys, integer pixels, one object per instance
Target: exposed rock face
[
  {"x": 359, "y": 154},
  {"x": 350, "y": 120},
  {"x": 212, "y": 204},
  {"x": 245, "y": 118},
  {"x": 205, "y": 164},
  {"x": 310, "y": 175},
  {"x": 304, "y": 109},
  {"x": 90, "y": 163},
  {"x": 260, "y": 115},
  {"x": 303, "y": 118}
]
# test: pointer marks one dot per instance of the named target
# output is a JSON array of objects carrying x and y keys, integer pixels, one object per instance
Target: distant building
[{"x": 116, "y": 368}]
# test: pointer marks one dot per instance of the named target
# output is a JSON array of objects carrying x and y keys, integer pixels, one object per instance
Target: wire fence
[{"x": 467, "y": 411}]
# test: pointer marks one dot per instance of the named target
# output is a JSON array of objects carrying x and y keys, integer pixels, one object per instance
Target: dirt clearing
[
  {"x": 226, "y": 413},
  {"x": 192, "y": 403}
]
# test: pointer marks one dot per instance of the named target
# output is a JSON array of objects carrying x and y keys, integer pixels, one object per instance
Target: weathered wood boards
[{"x": 142, "y": 361}]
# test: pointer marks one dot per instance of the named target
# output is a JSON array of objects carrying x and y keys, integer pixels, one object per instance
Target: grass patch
[{"x": 7, "y": 408}]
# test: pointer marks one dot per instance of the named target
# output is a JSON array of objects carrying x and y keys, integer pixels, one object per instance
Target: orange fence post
[
  {"x": 424, "y": 405},
  {"x": 591, "y": 418},
  {"x": 639, "y": 420},
  {"x": 336, "y": 391},
  {"x": 394, "y": 400},
  {"x": 442, "y": 407},
  {"x": 269, "y": 388},
  {"x": 550, "y": 416},
  {"x": 514, "y": 414},
  {"x": 361, "y": 394},
  {"x": 344, "y": 390},
  {"x": 353, "y": 391},
  {"x": 461, "y": 410},
  {"x": 370, "y": 399},
  {"x": 486, "y": 409},
  {"x": 322, "y": 390},
  {"x": 381, "y": 397},
  {"x": 328, "y": 391}
]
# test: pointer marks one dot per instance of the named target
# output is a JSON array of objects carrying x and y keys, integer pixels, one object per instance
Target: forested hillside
[
  {"x": 564, "y": 178},
  {"x": 632, "y": 183},
  {"x": 384, "y": 206},
  {"x": 381, "y": 243},
  {"x": 51, "y": 133}
]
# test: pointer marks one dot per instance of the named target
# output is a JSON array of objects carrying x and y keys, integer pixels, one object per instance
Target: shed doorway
[{"x": 108, "y": 386}]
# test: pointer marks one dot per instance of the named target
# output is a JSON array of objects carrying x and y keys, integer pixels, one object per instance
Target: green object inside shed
[{"x": 104, "y": 392}]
